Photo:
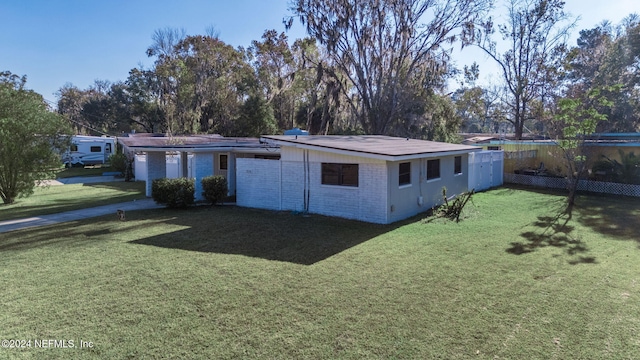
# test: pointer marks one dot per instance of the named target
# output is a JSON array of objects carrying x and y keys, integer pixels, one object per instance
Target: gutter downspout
[{"x": 307, "y": 180}]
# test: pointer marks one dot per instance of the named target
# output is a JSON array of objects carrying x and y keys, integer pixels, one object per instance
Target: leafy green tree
[
  {"x": 202, "y": 83},
  {"x": 605, "y": 56},
  {"x": 470, "y": 106},
  {"x": 255, "y": 119},
  {"x": 535, "y": 33},
  {"x": 215, "y": 79},
  {"x": 319, "y": 89},
  {"x": 276, "y": 69},
  {"x": 95, "y": 110},
  {"x": 143, "y": 99},
  {"x": 71, "y": 101},
  {"x": 31, "y": 138},
  {"x": 437, "y": 121},
  {"x": 479, "y": 107},
  {"x": 578, "y": 119}
]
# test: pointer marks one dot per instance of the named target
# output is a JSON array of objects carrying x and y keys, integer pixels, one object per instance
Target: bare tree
[
  {"x": 378, "y": 47},
  {"x": 535, "y": 33},
  {"x": 165, "y": 40}
]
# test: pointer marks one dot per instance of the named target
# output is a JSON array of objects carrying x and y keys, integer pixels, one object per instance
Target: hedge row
[
  {"x": 174, "y": 193},
  {"x": 179, "y": 193}
]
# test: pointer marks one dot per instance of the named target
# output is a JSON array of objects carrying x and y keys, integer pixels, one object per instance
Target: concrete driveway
[{"x": 17, "y": 224}]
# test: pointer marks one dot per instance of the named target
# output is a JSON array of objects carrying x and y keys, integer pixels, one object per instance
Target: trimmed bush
[
  {"x": 118, "y": 162},
  {"x": 122, "y": 164},
  {"x": 214, "y": 188},
  {"x": 174, "y": 193}
]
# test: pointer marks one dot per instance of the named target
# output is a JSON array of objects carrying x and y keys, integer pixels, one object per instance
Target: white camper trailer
[{"x": 89, "y": 150}]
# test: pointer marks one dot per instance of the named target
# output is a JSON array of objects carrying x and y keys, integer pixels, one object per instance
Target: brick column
[
  {"x": 231, "y": 174},
  {"x": 156, "y": 168},
  {"x": 203, "y": 163},
  {"x": 184, "y": 164}
]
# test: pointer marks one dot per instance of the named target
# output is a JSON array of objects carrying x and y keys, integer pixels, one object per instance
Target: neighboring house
[
  {"x": 532, "y": 156},
  {"x": 377, "y": 179}
]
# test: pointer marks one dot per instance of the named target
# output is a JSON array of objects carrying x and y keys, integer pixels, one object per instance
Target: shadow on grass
[
  {"x": 280, "y": 236},
  {"x": 71, "y": 234},
  {"x": 616, "y": 217},
  {"x": 611, "y": 215},
  {"x": 61, "y": 200},
  {"x": 552, "y": 231}
]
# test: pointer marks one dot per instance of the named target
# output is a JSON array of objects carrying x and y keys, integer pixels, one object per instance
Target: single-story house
[
  {"x": 371, "y": 178},
  {"x": 197, "y": 155}
]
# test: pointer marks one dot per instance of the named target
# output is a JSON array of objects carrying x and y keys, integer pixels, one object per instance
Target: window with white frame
[
  {"x": 457, "y": 165},
  {"x": 433, "y": 169},
  {"x": 223, "y": 162},
  {"x": 404, "y": 174},
  {"x": 340, "y": 174}
]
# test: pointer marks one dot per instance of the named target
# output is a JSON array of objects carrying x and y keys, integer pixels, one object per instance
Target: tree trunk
[{"x": 571, "y": 199}]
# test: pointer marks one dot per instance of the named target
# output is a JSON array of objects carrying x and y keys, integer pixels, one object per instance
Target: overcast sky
[{"x": 79, "y": 41}]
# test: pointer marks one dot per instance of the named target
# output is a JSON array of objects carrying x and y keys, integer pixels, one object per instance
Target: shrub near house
[
  {"x": 174, "y": 193},
  {"x": 214, "y": 188}
]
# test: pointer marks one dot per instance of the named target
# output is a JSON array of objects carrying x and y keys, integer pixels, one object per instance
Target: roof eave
[
  {"x": 236, "y": 149},
  {"x": 421, "y": 155}
]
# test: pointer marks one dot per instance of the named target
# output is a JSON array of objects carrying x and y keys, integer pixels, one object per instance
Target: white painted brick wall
[
  {"x": 172, "y": 166},
  {"x": 292, "y": 186},
  {"x": 373, "y": 197},
  {"x": 294, "y": 154},
  {"x": 140, "y": 167},
  {"x": 156, "y": 168},
  {"x": 258, "y": 183},
  {"x": 367, "y": 202},
  {"x": 203, "y": 168}
]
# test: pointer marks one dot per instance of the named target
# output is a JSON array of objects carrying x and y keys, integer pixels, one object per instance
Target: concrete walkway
[{"x": 18, "y": 224}]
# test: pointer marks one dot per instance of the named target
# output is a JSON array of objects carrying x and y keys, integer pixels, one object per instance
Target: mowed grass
[
  {"x": 227, "y": 282},
  {"x": 89, "y": 170},
  {"x": 60, "y": 198}
]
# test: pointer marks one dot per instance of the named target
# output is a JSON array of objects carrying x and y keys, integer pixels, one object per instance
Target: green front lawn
[
  {"x": 227, "y": 282},
  {"x": 59, "y": 198},
  {"x": 89, "y": 170}
]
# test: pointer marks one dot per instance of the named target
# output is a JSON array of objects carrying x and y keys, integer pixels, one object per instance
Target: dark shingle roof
[
  {"x": 373, "y": 144},
  {"x": 184, "y": 141}
]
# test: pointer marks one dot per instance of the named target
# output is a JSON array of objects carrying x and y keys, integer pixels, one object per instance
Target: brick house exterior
[
  {"x": 376, "y": 179},
  {"x": 392, "y": 176}
]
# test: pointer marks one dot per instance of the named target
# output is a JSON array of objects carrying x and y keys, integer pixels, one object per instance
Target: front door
[{"x": 223, "y": 165}]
